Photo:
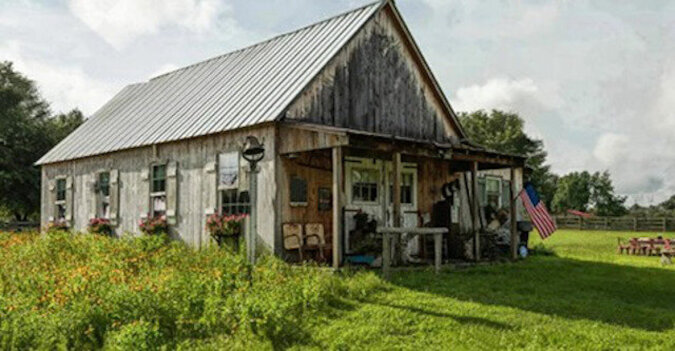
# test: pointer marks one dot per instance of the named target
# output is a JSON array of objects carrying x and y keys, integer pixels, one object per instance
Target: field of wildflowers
[{"x": 84, "y": 291}]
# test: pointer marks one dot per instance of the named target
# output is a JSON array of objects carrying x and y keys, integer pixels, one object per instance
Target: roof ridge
[{"x": 266, "y": 41}]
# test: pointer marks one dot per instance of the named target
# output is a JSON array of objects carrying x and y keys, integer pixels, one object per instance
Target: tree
[
  {"x": 505, "y": 132},
  {"x": 573, "y": 192},
  {"x": 583, "y": 191},
  {"x": 27, "y": 131},
  {"x": 668, "y": 204},
  {"x": 603, "y": 199}
]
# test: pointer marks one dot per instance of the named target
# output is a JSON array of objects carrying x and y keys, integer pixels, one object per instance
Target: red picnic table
[{"x": 647, "y": 246}]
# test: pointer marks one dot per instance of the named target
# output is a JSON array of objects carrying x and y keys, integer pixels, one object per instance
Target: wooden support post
[
  {"x": 396, "y": 192},
  {"x": 475, "y": 214},
  {"x": 396, "y": 202},
  {"x": 338, "y": 203},
  {"x": 438, "y": 243},
  {"x": 514, "y": 231},
  {"x": 386, "y": 254}
]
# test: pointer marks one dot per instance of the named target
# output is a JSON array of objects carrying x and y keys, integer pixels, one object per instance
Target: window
[
  {"x": 407, "y": 188},
  {"x": 234, "y": 202},
  {"x": 493, "y": 192},
  {"x": 364, "y": 184},
  {"x": 298, "y": 191},
  {"x": 228, "y": 170},
  {"x": 103, "y": 186},
  {"x": 158, "y": 191},
  {"x": 60, "y": 199}
]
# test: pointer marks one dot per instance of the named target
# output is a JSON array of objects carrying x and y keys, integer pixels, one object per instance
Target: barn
[{"x": 352, "y": 121}]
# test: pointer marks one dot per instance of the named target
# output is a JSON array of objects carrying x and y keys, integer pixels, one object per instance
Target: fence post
[
  {"x": 635, "y": 224},
  {"x": 606, "y": 223},
  {"x": 664, "y": 224}
]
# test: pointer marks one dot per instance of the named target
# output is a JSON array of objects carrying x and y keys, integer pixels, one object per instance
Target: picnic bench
[
  {"x": 389, "y": 233},
  {"x": 647, "y": 246}
]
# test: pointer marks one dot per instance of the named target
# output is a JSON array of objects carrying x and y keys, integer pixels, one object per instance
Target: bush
[
  {"x": 57, "y": 226},
  {"x": 91, "y": 291},
  {"x": 100, "y": 226}
]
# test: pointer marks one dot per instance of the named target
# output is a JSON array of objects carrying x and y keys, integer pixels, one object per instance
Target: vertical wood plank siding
[
  {"x": 192, "y": 184},
  {"x": 374, "y": 85}
]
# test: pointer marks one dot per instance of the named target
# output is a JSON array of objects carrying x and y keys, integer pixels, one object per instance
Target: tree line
[
  {"x": 28, "y": 129},
  {"x": 582, "y": 191}
]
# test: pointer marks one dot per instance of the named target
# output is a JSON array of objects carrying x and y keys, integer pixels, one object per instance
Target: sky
[{"x": 595, "y": 80}]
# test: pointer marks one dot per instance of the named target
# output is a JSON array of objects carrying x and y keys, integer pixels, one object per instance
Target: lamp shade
[{"x": 254, "y": 151}]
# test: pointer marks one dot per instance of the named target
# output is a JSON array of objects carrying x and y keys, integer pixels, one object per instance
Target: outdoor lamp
[{"x": 254, "y": 151}]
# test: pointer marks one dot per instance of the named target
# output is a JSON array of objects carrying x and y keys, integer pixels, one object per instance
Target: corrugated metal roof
[{"x": 245, "y": 87}]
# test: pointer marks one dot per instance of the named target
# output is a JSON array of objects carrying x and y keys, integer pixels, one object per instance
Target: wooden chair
[
  {"x": 293, "y": 237},
  {"x": 621, "y": 247},
  {"x": 315, "y": 239}
]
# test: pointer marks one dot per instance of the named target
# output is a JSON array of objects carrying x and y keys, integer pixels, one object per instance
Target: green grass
[
  {"x": 584, "y": 296},
  {"x": 89, "y": 292}
]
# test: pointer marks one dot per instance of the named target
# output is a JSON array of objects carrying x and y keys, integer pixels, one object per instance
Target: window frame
[
  {"x": 236, "y": 184},
  {"x": 290, "y": 191},
  {"x": 60, "y": 203},
  {"x": 101, "y": 197},
  {"x": 352, "y": 183},
  {"x": 157, "y": 194},
  {"x": 406, "y": 169}
]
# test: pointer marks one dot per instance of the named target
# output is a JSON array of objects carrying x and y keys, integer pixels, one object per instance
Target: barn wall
[
  {"x": 194, "y": 186},
  {"x": 375, "y": 85},
  {"x": 316, "y": 169}
]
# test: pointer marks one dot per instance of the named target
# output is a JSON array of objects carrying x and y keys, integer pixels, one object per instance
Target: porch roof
[{"x": 302, "y": 137}]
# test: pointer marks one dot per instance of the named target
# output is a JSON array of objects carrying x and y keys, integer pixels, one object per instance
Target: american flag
[{"x": 537, "y": 211}]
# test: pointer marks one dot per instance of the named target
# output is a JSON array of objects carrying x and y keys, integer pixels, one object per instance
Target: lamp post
[{"x": 253, "y": 152}]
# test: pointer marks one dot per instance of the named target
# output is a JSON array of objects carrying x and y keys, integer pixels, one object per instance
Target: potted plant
[
  {"x": 154, "y": 225},
  {"x": 58, "y": 225},
  {"x": 100, "y": 226},
  {"x": 222, "y": 227}
]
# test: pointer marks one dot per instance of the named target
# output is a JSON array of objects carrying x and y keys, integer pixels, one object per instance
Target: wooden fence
[{"x": 617, "y": 223}]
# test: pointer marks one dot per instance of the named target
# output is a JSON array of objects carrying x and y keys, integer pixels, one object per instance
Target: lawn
[
  {"x": 90, "y": 292},
  {"x": 584, "y": 296}
]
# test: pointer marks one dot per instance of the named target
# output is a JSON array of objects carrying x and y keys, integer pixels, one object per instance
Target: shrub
[
  {"x": 153, "y": 225},
  {"x": 100, "y": 226},
  {"x": 59, "y": 225},
  {"x": 66, "y": 291}
]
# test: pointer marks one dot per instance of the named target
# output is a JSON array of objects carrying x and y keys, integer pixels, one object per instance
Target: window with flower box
[
  {"x": 103, "y": 195},
  {"x": 158, "y": 190},
  {"x": 232, "y": 198}
]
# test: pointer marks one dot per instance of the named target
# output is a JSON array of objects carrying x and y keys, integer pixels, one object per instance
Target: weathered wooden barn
[{"x": 351, "y": 118}]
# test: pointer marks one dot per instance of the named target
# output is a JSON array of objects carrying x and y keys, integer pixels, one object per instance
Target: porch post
[
  {"x": 396, "y": 193},
  {"x": 475, "y": 210},
  {"x": 396, "y": 203},
  {"x": 338, "y": 203},
  {"x": 514, "y": 232}
]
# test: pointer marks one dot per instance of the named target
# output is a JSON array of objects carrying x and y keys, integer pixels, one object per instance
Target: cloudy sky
[{"x": 594, "y": 79}]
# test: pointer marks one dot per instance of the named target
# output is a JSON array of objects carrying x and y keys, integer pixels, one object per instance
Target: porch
[{"x": 352, "y": 182}]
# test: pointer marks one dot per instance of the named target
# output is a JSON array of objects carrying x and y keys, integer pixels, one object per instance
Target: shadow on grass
[
  {"x": 460, "y": 319},
  {"x": 635, "y": 297}
]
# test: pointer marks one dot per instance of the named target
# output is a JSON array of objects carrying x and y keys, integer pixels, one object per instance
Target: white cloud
[
  {"x": 497, "y": 93},
  {"x": 119, "y": 22},
  {"x": 64, "y": 87}
]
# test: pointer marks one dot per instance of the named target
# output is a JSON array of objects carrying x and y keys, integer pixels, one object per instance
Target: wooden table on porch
[{"x": 390, "y": 232}]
